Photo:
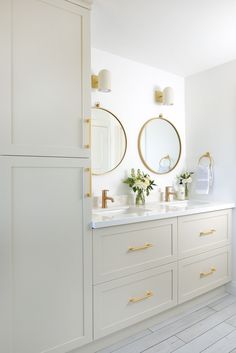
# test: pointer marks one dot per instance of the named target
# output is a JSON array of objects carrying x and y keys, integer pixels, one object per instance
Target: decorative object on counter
[
  {"x": 185, "y": 179},
  {"x": 204, "y": 174},
  {"x": 159, "y": 145},
  {"x": 141, "y": 184},
  {"x": 102, "y": 81},
  {"x": 158, "y": 195},
  {"x": 165, "y": 97},
  {"x": 181, "y": 191},
  {"x": 109, "y": 141},
  {"x": 169, "y": 193},
  {"x": 105, "y": 198}
]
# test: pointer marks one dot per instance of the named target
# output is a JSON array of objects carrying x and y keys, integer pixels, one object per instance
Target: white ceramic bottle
[{"x": 181, "y": 192}]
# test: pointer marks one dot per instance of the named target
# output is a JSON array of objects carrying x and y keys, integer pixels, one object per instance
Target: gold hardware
[
  {"x": 88, "y": 121},
  {"x": 89, "y": 194},
  {"x": 102, "y": 81},
  {"x": 167, "y": 157},
  {"x": 206, "y": 155},
  {"x": 94, "y": 81},
  {"x": 137, "y": 248},
  {"x": 105, "y": 198},
  {"x": 205, "y": 274},
  {"x": 159, "y": 96},
  {"x": 166, "y": 96},
  {"x": 142, "y": 154},
  {"x": 209, "y": 232},
  {"x": 147, "y": 295}
]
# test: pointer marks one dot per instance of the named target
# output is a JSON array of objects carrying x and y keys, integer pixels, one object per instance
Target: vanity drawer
[
  {"x": 126, "y": 301},
  {"x": 201, "y": 273},
  {"x": 123, "y": 250},
  {"x": 203, "y": 232}
]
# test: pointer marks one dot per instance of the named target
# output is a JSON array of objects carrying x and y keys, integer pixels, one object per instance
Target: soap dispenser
[{"x": 181, "y": 192}]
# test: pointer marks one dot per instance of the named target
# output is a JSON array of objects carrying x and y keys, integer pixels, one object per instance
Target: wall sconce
[
  {"x": 102, "y": 81},
  {"x": 166, "y": 96}
]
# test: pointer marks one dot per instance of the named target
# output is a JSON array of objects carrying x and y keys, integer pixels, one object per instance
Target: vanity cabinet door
[
  {"x": 126, "y": 301},
  {"x": 45, "y": 78},
  {"x": 201, "y": 273},
  {"x": 45, "y": 255},
  {"x": 122, "y": 250},
  {"x": 202, "y": 232}
]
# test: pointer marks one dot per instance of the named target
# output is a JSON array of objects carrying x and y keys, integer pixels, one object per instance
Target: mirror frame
[
  {"x": 97, "y": 106},
  {"x": 139, "y": 144}
]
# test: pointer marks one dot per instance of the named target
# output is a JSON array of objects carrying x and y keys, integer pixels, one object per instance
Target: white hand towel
[{"x": 203, "y": 179}]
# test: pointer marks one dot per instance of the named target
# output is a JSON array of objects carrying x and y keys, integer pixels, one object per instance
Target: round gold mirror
[
  {"x": 109, "y": 141},
  {"x": 159, "y": 145}
]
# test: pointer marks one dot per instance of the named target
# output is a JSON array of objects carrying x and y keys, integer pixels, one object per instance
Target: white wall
[
  {"x": 211, "y": 126},
  {"x": 132, "y": 101}
]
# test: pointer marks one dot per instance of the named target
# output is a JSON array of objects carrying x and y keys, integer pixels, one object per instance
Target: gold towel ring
[
  {"x": 165, "y": 157},
  {"x": 206, "y": 155}
]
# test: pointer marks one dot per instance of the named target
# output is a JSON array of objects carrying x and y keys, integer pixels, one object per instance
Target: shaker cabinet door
[
  {"x": 45, "y": 249},
  {"x": 45, "y": 78}
]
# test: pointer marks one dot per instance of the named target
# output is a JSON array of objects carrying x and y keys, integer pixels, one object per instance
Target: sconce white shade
[
  {"x": 168, "y": 96},
  {"x": 104, "y": 81}
]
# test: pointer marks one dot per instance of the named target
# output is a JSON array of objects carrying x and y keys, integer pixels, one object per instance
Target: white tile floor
[{"x": 209, "y": 329}]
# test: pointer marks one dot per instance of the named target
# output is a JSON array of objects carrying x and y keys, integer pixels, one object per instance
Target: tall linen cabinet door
[
  {"x": 45, "y": 78},
  {"x": 45, "y": 255}
]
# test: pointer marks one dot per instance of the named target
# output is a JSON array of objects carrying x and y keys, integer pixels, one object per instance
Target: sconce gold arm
[
  {"x": 137, "y": 248},
  {"x": 89, "y": 194},
  {"x": 205, "y": 274},
  {"x": 209, "y": 232},
  {"x": 94, "y": 81},
  {"x": 159, "y": 96},
  {"x": 147, "y": 295},
  {"x": 89, "y": 122}
]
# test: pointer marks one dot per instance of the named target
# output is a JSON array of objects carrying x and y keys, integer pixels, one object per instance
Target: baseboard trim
[{"x": 231, "y": 287}]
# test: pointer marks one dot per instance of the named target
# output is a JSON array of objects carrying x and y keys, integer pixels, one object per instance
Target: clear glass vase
[
  {"x": 186, "y": 191},
  {"x": 140, "y": 198}
]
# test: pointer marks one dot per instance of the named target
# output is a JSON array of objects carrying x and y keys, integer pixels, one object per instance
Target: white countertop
[{"x": 125, "y": 215}]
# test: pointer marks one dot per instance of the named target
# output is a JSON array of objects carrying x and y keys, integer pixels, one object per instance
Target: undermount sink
[
  {"x": 115, "y": 212},
  {"x": 129, "y": 211},
  {"x": 184, "y": 203}
]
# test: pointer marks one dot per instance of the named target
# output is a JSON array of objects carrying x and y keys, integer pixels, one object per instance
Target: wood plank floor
[{"x": 208, "y": 329}]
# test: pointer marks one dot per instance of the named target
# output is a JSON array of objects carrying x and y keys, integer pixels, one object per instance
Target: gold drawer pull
[
  {"x": 89, "y": 194},
  {"x": 147, "y": 295},
  {"x": 205, "y": 274},
  {"x": 88, "y": 121},
  {"x": 209, "y": 232},
  {"x": 137, "y": 248}
]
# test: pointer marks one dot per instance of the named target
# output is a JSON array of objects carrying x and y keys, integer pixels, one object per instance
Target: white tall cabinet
[
  {"x": 45, "y": 64},
  {"x": 45, "y": 236}
]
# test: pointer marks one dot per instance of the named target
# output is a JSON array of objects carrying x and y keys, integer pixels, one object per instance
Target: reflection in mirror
[
  {"x": 109, "y": 141},
  {"x": 159, "y": 145}
]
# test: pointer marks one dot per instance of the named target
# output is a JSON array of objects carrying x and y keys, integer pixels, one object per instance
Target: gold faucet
[
  {"x": 105, "y": 198},
  {"x": 169, "y": 190}
]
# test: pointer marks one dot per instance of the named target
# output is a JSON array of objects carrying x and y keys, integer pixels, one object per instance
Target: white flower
[
  {"x": 140, "y": 185},
  {"x": 147, "y": 181}
]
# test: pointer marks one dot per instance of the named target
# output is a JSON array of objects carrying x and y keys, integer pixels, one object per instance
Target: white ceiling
[{"x": 180, "y": 36}]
